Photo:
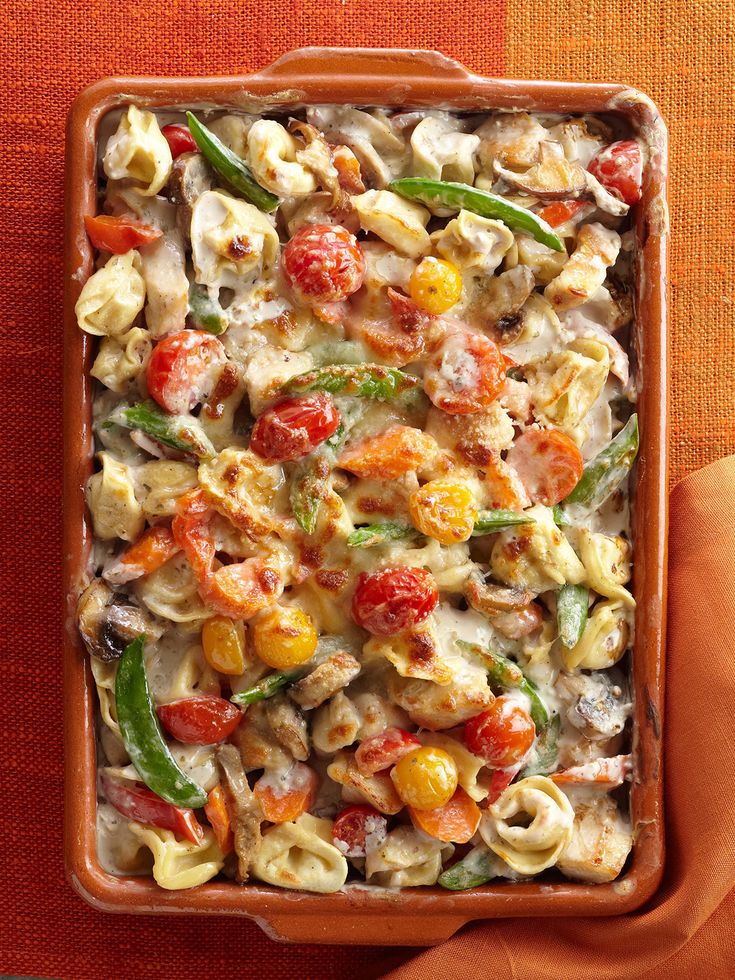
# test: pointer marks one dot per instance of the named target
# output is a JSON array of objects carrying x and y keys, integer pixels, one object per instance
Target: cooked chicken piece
[
  {"x": 255, "y": 740},
  {"x": 601, "y": 841},
  {"x": 377, "y": 789},
  {"x": 288, "y": 725},
  {"x": 246, "y": 808},
  {"x": 335, "y": 724},
  {"x": 324, "y": 681},
  {"x": 584, "y": 272}
]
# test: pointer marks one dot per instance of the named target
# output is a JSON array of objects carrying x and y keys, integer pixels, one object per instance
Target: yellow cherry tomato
[
  {"x": 284, "y": 637},
  {"x": 425, "y": 778},
  {"x": 435, "y": 285},
  {"x": 223, "y": 642},
  {"x": 444, "y": 510}
]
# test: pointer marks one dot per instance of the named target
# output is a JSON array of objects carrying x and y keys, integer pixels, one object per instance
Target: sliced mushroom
[
  {"x": 497, "y": 303},
  {"x": 246, "y": 808},
  {"x": 604, "y": 200},
  {"x": 316, "y": 156},
  {"x": 190, "y": 178},
  {"x": 109, "y": 621},
  {"x": 489, "y": 598},
  {"x": 553, "y": 178},
  {"x": 598, "y": 703},
  {"x": 369, "y": 136},
  {"x": 324, "y": 681},
  {"x": 288, "y": 726}
]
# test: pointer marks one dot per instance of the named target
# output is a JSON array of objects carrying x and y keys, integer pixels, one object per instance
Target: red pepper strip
[{"x": 142, "y": 804}]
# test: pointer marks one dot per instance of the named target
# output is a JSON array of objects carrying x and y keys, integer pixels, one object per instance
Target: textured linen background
[{"x": 680, "y": 52}]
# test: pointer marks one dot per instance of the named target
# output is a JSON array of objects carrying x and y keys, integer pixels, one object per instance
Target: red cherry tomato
[
  {"x": 323, "y": 263},
  {"x": 393, "y": 600},
  {"x": 358, "y": 827},
  {"x": 383, "y": 750},
  {"x": 559, "y": 212},
  {"x": 179, "y": 139},
  {"x": 119, "y": 235},
  {"x": 619, "y": 168},
  {"x": 548, "y": 463},
  {"x": 183, "y": 369},
  {"x": 294, "y": 427},
  {"x": 502, "y": 735},
  {"x": 191, "y": 528},
  {"x": 465, "y": 375},
  {"x": 139, "y": 803},
  {"x": 500, "y": 780},
  {"x": 201, "y": 720}
]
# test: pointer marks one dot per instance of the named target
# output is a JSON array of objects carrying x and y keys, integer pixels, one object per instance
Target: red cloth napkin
[{"x": 688, "y": 929}]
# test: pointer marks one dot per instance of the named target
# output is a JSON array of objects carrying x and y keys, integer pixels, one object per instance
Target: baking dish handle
[
  {"x": 405, "y": 929},
  {"x": 381, "y": 62}
]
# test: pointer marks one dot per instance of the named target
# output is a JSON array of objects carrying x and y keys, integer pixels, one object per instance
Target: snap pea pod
[
  {"x": 181, "y": 432},
  {"x": 572, "y": 603},
  {"x": 362, "y": 380},
  {"x": 476, "y": 868},
  {"x": 559, "y": 516},
  {"x": 230, "y": 166},
  {"x": 546, "y": 751},
  {"x": 608, "y": 469},
  {"x": 448, "y": 194},
  {"x": 492, "y": 521},
  {"x": 204, "y": 312},
  {"x": 338, "y": 352},
  {"x": 374, "y": 534},
  {"x": 269, "y": 686},
  {"x": 308, "y": 487},
  {"x": 141, "y": 733},
  {"x": 503, "y": 673}
]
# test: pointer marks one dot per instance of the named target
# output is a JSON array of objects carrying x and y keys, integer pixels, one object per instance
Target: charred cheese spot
[{"x": 332, "y": 579}]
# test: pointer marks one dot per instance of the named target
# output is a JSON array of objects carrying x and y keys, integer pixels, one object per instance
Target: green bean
[
  {"x": 182, "y": 432},
  {"x": 608, "y": 469},
  {"x": 374, "y": 534},
  {"x": 363, "y": 380},
  {"x": 476, "y": 868},
  {"x": 492, "y": 521},
  {"x": 546, "y": 751},
  {"x": 572, "y": 603}
]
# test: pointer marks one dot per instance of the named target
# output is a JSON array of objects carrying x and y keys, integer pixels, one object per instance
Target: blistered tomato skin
[
  {"x": 392, "y": 600},
  {"x": 294, "y": 427},
  {"x": 179, "y": 140},
  {"x": 425, "y": 778},
  {"x": 223, "y": 643},
  {"x": 502, "y": 735},
  {"x": 323, "y": 263},
  {"x": 201, "y": 720},
  {"x": 444, "y": 511},
  {"x": 284, "y": 637},
  {"x": 619, "y": 168},
  {"x": 183, "y": 369},
  {"x": 465, "y": 375},
  {"x": 357, "y": 828}
]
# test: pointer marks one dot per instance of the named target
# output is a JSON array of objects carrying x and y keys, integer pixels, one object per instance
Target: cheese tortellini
[
  {"x": 398, "y": 222},
  {"x": 179, "y": 864},
  {"x": 231, "y": 241},
  {"x": 604, "y": 641},
  {"x": 300, "y": 855},
  {"x": 476, "y": 244},
  {"x": 139, "y": 151},
  {"x": 122, "y": 359},
  {"x": 530, "y": 825},
  {"x": 274, "y": 159},
  {"x": 160, "y": 483},
  {"x": 536, "y": 556},
  {"x": 442, "y": 152},
  {"x": 171, "y": 592},
  {"x": 115, "y": 510},
  {"x": 607, "y": 563},
  {"x": 112, "y": 297},
  {"x": 406, "y": 858},
  {"x": 565, "y": 385}
]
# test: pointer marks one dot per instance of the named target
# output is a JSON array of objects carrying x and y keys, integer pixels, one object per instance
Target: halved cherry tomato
[
  {"x": 384, "y": 749},
  {"x": 559, "y": 212},
  {"x": 219, "y": 818},
  {"x": 286, "y": 794},
  {"x": 323, "y": 263},
  {"x": 619, "y": 168},
  {"x": 152, "y": 549},
  {"x": 548, "y": 463},
  {"x": 179, "y": 139},
  {"x": 119, "y": 235},
  {"x": 502, "y": 734},
  {"x": 201, "y": 720},
  {"x": 392, "y": 600},
  {"x": 192, "y": 532},
  {"x": 455, "y": 822},
  {"x": 183, "y": 369},
  {"x": 357, "y": 828},
  {"x": 395, "y": 452},
  {"x": 137, "y": 802},
  {"x": 465, "y": 375},
  {"x": 294, "y": 427}
]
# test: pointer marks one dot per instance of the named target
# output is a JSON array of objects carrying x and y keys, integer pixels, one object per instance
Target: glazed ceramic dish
[{"x": 401, "y": 236}]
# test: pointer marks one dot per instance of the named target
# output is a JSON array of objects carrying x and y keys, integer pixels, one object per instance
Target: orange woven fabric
[{"x": 679, "y": 52}]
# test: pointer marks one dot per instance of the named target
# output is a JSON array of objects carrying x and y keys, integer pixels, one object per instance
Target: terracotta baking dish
[{"x": 421, "y": 916}]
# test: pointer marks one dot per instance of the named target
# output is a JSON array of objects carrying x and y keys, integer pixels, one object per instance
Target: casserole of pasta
[{"x": 358, "y": 605}]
